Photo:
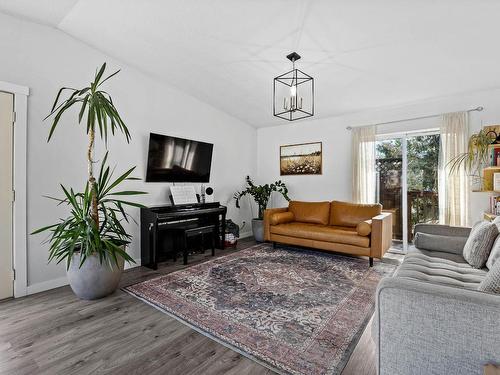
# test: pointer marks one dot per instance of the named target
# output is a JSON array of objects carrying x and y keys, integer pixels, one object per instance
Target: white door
[{"x": 6, "y": 194}]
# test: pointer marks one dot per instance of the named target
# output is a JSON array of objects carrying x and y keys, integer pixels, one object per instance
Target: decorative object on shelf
[
  {"x": 495, "y": 155},
  {"x": 493, "y": 136},
  {"x": 487, "y": 178},
  {"x": 494, "y": 205},
  {"x": 261, "y": 195},
  {"x": 489, "y": 216},
  {"x": 493, "y": 131},
  {"x": 293, "y": 93},
  {"x": 304, "y": 158},
  {"x": 92, "y": 240},
  {"x": 496, "y": 181}
]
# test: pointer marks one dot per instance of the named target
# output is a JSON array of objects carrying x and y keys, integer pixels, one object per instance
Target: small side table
[{"x": 198, "y": 231}]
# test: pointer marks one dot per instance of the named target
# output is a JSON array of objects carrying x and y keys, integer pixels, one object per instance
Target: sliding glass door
[
  {"x": 389, "y": 168},
  {"x": 407, "y": 181},
  {"x": 422, "y": 177}
]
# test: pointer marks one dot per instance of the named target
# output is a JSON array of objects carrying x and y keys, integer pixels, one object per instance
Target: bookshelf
[
  {"x": 494, "y": 151},
  {"x": 491, "y": 169},
  {"x": 489, "y": 185}
]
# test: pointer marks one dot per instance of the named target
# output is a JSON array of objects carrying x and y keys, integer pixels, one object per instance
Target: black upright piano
[{"x": 158, "y": 224}]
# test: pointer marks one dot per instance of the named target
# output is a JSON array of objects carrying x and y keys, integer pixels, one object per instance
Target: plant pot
[
  {"x": 94, "y": 280},
  {"x": 258, "y": 229}
]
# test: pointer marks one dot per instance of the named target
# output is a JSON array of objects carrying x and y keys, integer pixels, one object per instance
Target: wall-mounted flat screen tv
[{"x": 172, "y": 159}]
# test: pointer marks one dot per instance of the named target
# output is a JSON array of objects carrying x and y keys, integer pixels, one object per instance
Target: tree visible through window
[
  {"x": 423, "y": 157},
  {"x": 422, "y": 177}
]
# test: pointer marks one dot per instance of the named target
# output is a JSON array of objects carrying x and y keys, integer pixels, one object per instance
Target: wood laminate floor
[{"x": 55, "y": 333}]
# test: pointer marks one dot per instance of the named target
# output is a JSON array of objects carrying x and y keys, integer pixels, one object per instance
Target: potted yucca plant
[
  {"x": 92, "y": 240},
  {"x": 261, "y": 194}
]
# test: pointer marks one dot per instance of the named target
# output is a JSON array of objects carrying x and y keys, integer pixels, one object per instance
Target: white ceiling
[{"x": 362, "y": 54}]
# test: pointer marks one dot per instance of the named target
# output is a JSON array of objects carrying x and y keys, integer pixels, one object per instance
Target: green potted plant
[
  {"x": 92, "y": 239},
  {"x": 261, "y": 195},
  {"x": 475, "y": 159}
]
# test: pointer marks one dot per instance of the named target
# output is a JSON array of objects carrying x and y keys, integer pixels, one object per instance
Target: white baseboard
[
  {"x": 246, "y": 234},
  {"x": 62, "y": 281},
  {"x": 133, "y": 265},
  {"x": 46, "y": 285}
]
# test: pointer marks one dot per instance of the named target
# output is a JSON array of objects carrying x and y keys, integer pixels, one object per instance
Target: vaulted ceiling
[{"x": 362, "y": 54}]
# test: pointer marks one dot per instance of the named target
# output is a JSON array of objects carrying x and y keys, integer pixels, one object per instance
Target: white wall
[
  {"x": 45, "y": 59},
  {"x": 335, "y": 183}
]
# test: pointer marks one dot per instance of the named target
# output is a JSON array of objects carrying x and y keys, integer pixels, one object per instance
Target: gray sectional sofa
[{"x": 430, "y": 318}]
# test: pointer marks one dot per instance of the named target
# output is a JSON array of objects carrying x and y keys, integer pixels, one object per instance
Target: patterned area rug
[{"x": 293, "y": 310}]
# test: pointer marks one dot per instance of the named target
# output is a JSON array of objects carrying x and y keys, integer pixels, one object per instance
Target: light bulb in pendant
[{"x": 293, "y": 90}]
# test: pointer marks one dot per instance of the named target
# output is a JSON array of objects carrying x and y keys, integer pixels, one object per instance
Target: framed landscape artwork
[{"x": 304, "y": 158}]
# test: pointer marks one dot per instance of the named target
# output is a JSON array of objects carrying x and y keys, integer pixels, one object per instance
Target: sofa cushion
[
  {"x": 450, "y": 269},
  {"x": 293, "y": 229},
  {"x": 494, "y": 254},
  {"x": 281, "y": 218},
  {"x": 491, "y": 283},
  {"x": 439, "y": 256},
  {"x": 351, "y": 214},
  {"x": 442, "y": 230},
  {"x": 310, "y": 212},
  {"x": 321, "y": 233},
  {"x": 364, "y": 228},
  {"x": 449, "y": 244},
  {"x": 478, "y": 245},
  {"x": 336, "y": 235}
]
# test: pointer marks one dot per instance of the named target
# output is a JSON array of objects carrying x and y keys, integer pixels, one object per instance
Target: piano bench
[{"x": 198, "y": 231}]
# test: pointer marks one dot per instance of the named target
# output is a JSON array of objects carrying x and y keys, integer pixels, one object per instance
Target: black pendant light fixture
[{"x": 293, "y": 93}]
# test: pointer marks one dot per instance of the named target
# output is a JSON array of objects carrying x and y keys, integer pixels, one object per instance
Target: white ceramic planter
[{"x": 94, "y": 280}]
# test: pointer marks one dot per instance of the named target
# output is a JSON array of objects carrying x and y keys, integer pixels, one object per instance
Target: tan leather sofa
[{"x": 357, "y": 229}]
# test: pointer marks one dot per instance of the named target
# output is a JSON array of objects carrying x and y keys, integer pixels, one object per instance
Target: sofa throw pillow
[
  {"x": 346, "y": 214},
  {"x": 310, "y": 212},
  {"x": 281, "y": 218},
  {"x": 436, "y": 242},
  {"x": 478, "y": 245},
  {"x": 491, "y": 283},
  {"x": 364, "y": 228},
  {"x": 494, "y": 254}
]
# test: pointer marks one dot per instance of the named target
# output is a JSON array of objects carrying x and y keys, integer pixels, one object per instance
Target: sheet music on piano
[{"x": 183, "y": 194}]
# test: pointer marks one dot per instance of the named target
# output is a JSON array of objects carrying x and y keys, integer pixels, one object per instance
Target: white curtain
[
  {"x": 363, "y": 164},
  {"x": 453, "y": 188}
]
